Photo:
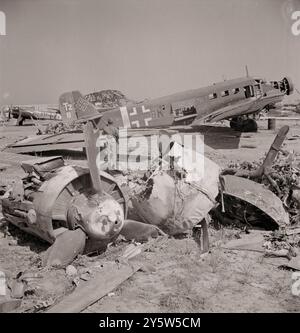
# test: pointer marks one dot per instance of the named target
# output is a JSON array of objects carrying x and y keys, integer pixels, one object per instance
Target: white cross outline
[
  {"x": 133, "y": 112},
  {"x": 145, "y": 110},
  {"x": 146, "y": 120},
  {"x": 135, "y": 122}
]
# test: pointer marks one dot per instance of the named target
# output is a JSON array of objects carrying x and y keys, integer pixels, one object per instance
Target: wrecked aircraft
[
  {"x": 87, "y": 208},
  {"x": 35, "y": 112},
  {"x": 232, "y": 100}
]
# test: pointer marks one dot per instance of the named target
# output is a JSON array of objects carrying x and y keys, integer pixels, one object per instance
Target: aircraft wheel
[
  {"x": 20, "y": 121},
  {"x": 246, "y": 125},
  {"x": 249, "y": 125},
  {"x": 234, "y": 123}
]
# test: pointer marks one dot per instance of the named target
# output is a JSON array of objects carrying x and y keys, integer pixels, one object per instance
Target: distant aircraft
[
  {"x": 36, "y": 112},
  {"x": 234, "y": 100},
  {"x": 103, "y": 100}
]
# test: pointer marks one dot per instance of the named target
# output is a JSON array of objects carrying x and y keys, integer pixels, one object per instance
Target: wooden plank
[
  {"x": 279, "y": 118},
  {"x": 112, "y": 274}
]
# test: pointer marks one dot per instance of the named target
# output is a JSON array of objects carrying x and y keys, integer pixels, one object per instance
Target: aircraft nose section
[{"x": 288, "y": 85}]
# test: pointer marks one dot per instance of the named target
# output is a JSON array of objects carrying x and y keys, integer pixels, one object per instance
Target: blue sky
[{"x": 145, "y": 48}]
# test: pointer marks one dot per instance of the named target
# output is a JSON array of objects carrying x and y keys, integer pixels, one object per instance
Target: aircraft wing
[
  {"x": 71, "y": 140},
  {"x": 240, "y": 108}
]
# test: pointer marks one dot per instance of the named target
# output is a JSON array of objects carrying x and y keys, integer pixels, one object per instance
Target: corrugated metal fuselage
[{"x": 228, "y": 98}]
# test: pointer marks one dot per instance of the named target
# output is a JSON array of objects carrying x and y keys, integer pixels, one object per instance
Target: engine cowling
[{"x": 288, "y": 85}]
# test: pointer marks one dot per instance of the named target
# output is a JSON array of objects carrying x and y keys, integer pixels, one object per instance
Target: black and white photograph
[{"x": 149, "y": 159}]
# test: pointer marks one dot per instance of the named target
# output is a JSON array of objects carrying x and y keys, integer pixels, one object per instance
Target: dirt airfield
[{"x": 175, "y": 277}]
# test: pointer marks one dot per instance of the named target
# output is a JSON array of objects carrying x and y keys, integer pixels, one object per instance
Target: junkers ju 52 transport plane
[{"x": 234, "y": 100}]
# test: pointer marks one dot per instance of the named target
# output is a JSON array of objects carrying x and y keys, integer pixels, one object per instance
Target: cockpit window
[{"x": 249, "y": 91}]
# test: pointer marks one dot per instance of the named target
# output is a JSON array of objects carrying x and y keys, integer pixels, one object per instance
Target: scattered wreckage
[
  {"x": 82, "y": 209},
  {"x": 87, "y": 209},
  {"x": 242, "y": 190},
  {"x": 65, "y": 204}
]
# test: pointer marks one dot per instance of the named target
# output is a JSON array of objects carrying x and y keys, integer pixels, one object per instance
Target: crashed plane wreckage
[
  {"x": 81, "y": 210},
  {"x": 234, "y": 100}
]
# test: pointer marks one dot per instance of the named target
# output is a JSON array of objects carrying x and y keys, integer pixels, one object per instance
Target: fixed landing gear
[
  {"x": 243, "y": 125},
  {"x": 20, "y": 121}
]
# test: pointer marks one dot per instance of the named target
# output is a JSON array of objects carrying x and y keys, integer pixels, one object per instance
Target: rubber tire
[
  {"x": 249, "y": 125},
  {"x": 234, "y": 123}
]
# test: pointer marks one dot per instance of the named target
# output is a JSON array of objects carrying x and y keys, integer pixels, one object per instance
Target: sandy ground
[{"x": 175, "y": 277}]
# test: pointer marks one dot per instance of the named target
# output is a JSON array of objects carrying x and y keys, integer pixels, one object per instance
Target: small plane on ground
[
  {"x": 35, "y": 112},
  {"x": 103, "y": 101},
  {"x": 234, "y": 100}
]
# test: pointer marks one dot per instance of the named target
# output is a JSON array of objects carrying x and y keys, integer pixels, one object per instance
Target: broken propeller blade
[
  {"x": 139, "y": 231},
  {"x": 91, "y": 150},
  {"x": 65, "y": 248}
]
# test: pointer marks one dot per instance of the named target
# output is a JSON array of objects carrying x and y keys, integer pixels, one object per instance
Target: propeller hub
[{"x": 101, "y": 217}]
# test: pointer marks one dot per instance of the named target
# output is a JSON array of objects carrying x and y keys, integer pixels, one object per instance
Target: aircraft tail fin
[{"x": 74, "y": 107}]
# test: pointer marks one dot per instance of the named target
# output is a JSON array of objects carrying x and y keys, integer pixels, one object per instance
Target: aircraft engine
[
  {"x": 288, "y": 85},
  {"x": 285, "y": 85}
]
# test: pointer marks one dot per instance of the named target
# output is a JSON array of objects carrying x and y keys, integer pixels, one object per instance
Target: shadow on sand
[{"x": 216, "y": 137}]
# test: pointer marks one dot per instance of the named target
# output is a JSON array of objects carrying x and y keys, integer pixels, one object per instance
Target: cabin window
[
  {"x": 225, "y": 93},
  {"x": 235, "y": 91},
  {"x": 185, "y": 111},
  {"x": 249, "y": 91},
  {"x": 212, "y": 96}
]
